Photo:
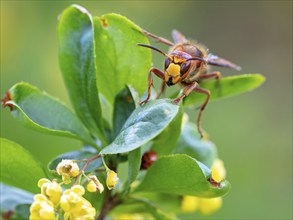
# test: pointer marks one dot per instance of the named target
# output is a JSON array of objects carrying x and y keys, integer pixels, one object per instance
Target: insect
[{"x": 187, "y": 64}]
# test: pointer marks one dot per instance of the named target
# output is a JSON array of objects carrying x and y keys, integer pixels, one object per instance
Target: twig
[
  {"x": 110, "y": 202},
  {"x": 87, "y": 161}
]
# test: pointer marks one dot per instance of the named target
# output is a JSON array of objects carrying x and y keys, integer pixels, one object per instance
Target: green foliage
[
  {"x": 44, "y": 113},
  {"x": 143, "y": 125},
  {"x": 182, "y": 175},
  {"x": 134, "y": 160},
  {"x": 190, "y": 143},
  {"x": 18, "y": 167},
  {"x": 75, "y": 155},
  {"x": 77, "y": 62},
  {"x": 105, "y": 73},
  {"x": 119, "y": 60},
  {"x": 226, "y": 87}
]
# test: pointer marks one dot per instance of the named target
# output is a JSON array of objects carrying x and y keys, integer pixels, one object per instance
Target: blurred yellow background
[{"x": 253, "y": 131}]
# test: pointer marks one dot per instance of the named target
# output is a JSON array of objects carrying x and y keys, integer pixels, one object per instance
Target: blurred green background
[{"x": 253, "y": 131}]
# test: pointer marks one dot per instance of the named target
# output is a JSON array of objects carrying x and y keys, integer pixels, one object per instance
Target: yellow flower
[
  {"x": 210, "y": 205},
  {"x": 41, "y": 208},
  {"x": 206, "y": 206},
  {"x": 112, "y": 179},
  {"x": 190, "y": 203},
  {"x": 95, "y": 185},
  {"x": 218, "y": 171},
  {"x": 91, "y": 186},
  {"x": 75, "y": 206},
  {"x": 67, "y": 169},
  {"x": 52, "y": 190}
]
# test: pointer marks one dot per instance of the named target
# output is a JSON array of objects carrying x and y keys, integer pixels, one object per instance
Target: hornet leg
[
  {"x": 150, "y": 82},
  {"x": 190, "y": 88},
  {"x": 202, "y": 107}
]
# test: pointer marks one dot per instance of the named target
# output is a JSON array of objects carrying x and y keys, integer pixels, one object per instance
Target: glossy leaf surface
[
  {"x": 77, "y": 62},
  {"x": 119, "y": 60},
  {"x": 182, "y": 175},
  {"x": 191, "y": 144},
  {"x": 145, "y": 123},
  {"x": 166, "y": 142},
  {"x": 225, "y": 87},
  {"x": 44, "y": 113},
  {"x": 123, "y": 107}
]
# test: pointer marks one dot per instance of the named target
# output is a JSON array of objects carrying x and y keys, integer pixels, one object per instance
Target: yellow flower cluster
[
  {"x": 75, "y": 206},
  {"x": 42, "y": 208},
  {"x": 44, "y": 203},
  {"x": 206, "y": 206},
  {"x": 52, "y": 190},
  {"x": 51, "y": 199}
]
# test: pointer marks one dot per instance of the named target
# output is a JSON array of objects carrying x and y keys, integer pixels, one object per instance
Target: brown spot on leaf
[
  {"x": 104, "y": 22},
  {"x": 7, "y": 97},
  {"x": 214, "y": 183},
  {"x": 128, "y": 99}
]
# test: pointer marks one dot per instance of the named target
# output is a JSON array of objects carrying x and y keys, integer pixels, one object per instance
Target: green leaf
[
  {"x": 44, "y": 113},
  {"x": 145, "y": 123},
  {"x": 77, "y": 62},
  {"x": 134, "y": 95},
  {"x": 154, "y": 209},
  {"x": 134, "y": 161},
  {"x": 18, "y": 167},
  {"x": 191, "y": 144},
  {"x": 225, "y": 87},
  {"x": 22, "y": 211},
  {"x": 119, "y": 60},
  {"x": 181, "y": 175},
  {"x": 145, "y": 208},
  {"x": 123, "y": 107},
  {"x": 11, "y": 197},
  {"x": 107, "y": 110},
  {"x": 76, "y": 155},
  {"x": 166, "y": 142}
]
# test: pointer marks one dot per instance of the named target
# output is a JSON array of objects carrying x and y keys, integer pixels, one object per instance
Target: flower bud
[
  {"x": 91, "y": 186},
  {"x": 67, "y": 169},
  {"x": 210, "y": 205},
  {"x": 112, "y": 179},
  {"x": 78, "y": 189},
  {"x": 218, "y": 171},
  {"x": 205, "y": 206},
  {"x": 190, "y": 203},
  {"x": 95, "y": 185}
]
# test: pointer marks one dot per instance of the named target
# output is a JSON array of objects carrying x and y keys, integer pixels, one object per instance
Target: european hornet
[{"x": 186, "y": 63}]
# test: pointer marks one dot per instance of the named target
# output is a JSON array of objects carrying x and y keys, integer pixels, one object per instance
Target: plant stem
[
  {"x": 110, "y": 202},
  {"x": 87, "y": 161}
]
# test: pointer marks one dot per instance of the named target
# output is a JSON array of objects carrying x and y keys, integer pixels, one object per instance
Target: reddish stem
[{"x": 87, "y": 161}]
